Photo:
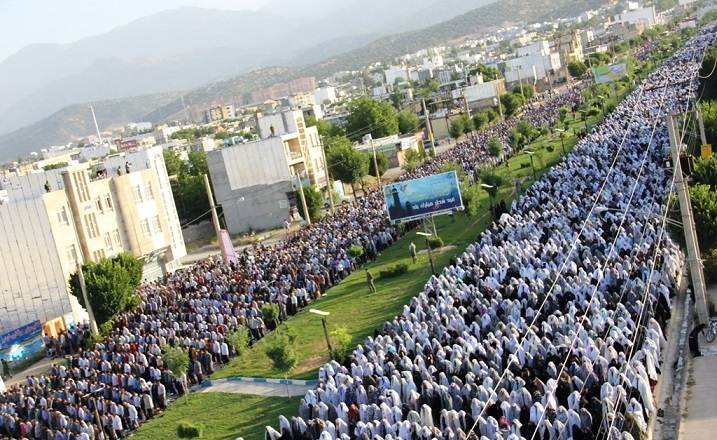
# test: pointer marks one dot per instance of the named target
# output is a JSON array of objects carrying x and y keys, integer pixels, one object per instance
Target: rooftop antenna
[
  {"x": 186, "y": 115},
  {"x": 96, "y": 126}
]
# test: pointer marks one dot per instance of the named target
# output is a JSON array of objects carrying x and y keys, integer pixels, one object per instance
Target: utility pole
[
  {"x": 497, "y": 100},
  {"x": 212, "y": 207},
  {"x": 97, "y": 127},
  {"x": 428, "y": 127},
  {"x": 88, "y": 306},
  {"x": 375, "y": 162},
  {"x": 307, "y": 217},
  {"x": 330, "y": 187},
  {"x": 688, "y": 224}
]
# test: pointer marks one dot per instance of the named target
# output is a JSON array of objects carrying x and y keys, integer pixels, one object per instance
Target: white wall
[{"x": 32, "y": 280}]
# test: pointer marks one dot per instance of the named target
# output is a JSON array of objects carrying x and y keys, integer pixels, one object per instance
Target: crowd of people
[
  {"x": 552, "y": 325},
  {"x": 540, "y": 318}
]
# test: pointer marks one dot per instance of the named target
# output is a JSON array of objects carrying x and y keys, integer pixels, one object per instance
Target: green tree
[
  {"x": 239, "y": 340},
  {"x": 480, "y": 120},
  {"x": 527, "y": 130},
  {"x": 369, "y": 116},
  {"x": 515, "y": 139},
  {"x": 282, "y": 353},
  {"x": 382, "y": 162},
  {"x": 340, "y": 343},
  {"x": 172, "y": 162},
  {"x": 177, "y": 360},
  {"x": 111, "y": 288},
  {"x": 270, "y": 314},
  {"x": 453, "y": 166},
  {"x": 576, "y": 69},
  {"x": 495, "y": 147},
  {"x": 525, "y": 90},
  {"x": 468, "y": 125},
  {"x": 490, "y": 177},
  {"x": 563, "y": 113},
  {"x": 408, "y": 122},
  {"x": 196, "y": 164},
  {"x": 132, "y": 265},
  {"x": 346, "y": 163},
  {"x": 512, "y": 103},
  {"x": 704, "y": 207},
  {"x": 489, "y": 73},
  {"x": 314, "y": 203},
  {"x": 706, "y": 172},
  {"x": 456, "y": 128},
  {"x": 709, "y": 115}
]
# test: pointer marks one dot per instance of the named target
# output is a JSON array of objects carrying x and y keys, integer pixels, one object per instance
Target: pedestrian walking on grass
[
  {"x": 369, "y": 280},
  {"x": 412, "y": 251}
]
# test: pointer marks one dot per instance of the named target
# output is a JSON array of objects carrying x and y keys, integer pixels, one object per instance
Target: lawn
[
  {"x": 349, "y": 304},
  {"x": 224, "y": 416}
]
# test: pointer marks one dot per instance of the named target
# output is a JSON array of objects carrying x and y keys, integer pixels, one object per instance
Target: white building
[
  {"x": 395, "y": 72},
  {"x": 56, "y": 219},
  {"x": 325, "y": 95},
  {"x": 645, "y": 15},
  {"x": 254, "y": 182}
]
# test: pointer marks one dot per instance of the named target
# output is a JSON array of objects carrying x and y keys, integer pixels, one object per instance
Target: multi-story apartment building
[
  {"x": 254, "y": 182},
  {"x": 54, "y": 220}
]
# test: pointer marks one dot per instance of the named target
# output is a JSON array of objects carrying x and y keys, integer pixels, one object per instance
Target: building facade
[
  {"x": 254, "y": 182},
  {"x": 57, "y": 219}
]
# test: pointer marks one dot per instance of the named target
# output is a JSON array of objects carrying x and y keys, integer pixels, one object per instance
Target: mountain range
[{"x": 145, "y": 66}]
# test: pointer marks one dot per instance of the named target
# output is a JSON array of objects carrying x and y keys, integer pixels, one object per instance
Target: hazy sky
[{"x": 24, "y": 22}]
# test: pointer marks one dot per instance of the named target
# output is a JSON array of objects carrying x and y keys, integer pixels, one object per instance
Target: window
[
  {"x": 137, "y": 194},
  {"x": 98, "y": 204},
  {"x": 108, "y": 202},
  {"x": 148, "y": 191},
  {"x": 91, "y": 221},
  {"x": 156, "y": 226},
  {"x": 62, "y": 216},
  {"x": 72, "y": 255},
  {"x": 98, "y": 255},
  {"x": 108, "y": 240},
  {"x": 116, "y": 238},
  {"x": 146, "y": 229}
]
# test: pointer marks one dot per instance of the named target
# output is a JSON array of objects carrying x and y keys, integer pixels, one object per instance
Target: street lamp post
[
  {"x": 326, "y": 331},
  {"x": 490, "y": 197},
  {"x": 531, "y": 153},
  {"x": 428, "y": 249},
  {"x": 561, "y": 132},
  {"x": 585, "y": 119},
  {"x": 602, "y": 105}
]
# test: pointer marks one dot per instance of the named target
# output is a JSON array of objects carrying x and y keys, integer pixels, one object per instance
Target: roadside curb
[{"x": 209, "y": 383}]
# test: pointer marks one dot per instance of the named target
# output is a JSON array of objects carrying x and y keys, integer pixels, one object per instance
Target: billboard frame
[{"x": 426, "y": 196}]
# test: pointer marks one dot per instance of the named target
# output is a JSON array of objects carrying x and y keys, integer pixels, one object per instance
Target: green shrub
[
  {"x": 189, "y": 430},
  {"x": 341, "y": 343},
  {"x": 710, "y": 269},
  {"x": 550, "y": 148},
  {"x": 394, "y": 271},
  {"x": 435, "y": 242},
  {"x": 594, "y": 111},
  {"x": 355, "y": 251},
  {"x": 525, "y": 165}
]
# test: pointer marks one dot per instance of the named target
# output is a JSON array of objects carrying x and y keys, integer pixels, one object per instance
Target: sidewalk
[
  {"x": 36, "y": 369},
  {"x": 699, "y": 414},
  {"x": 258, "y": 387}
]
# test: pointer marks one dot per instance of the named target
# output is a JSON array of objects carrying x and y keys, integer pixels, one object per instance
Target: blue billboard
[{"x": 417, "y": 198}]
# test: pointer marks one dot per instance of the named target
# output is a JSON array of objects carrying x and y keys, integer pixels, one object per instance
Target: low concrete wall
[{"x": 199, "y": 231}]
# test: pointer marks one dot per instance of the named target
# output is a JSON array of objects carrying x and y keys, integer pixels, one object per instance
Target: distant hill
[
  {"x": 188, "y": 47},
  {"x": 121, "y": 75}
]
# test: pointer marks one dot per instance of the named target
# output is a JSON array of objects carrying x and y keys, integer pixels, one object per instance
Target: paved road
[
  {"x": 255, "y": 388},
  {"x": 699, "y": 409}
]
